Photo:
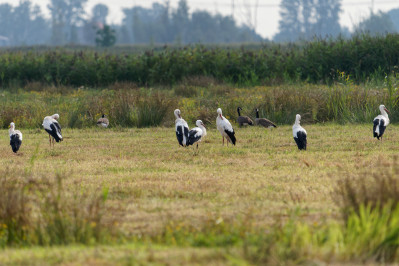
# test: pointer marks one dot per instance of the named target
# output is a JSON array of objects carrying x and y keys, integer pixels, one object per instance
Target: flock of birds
[
  {"x": 51, "y": 126},
  {"x": 187, "y": 137}
]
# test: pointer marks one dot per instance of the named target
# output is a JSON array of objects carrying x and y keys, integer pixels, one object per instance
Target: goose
[
  {"x": 53, "y": 128},
  {"x": 181, "y": 129},
  {"x": 299, "y": 133},
  {"x": 243, "y": 120},
  {"x": 103, "y": 121},
  {"x": 15, "y": 138},
  {"x": 196, "y": 134},
  {"x": 380, "y": 122},
  {"x": 263, "y": 121},
  {"x": 225, "y": 128}
]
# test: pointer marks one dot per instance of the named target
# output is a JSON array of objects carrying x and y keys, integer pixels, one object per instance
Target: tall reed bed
[
  {"x": 363, "y": 57},
  {"x": 127, "y": 105}
]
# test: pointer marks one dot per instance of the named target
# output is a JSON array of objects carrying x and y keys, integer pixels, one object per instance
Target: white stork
[
  {"x": 15, "y": 138},
  {"x": 181, "y": 129},
  {"x": 196, "y": 134},
  {"x": 103, "y": 121},
  {"x": 299, "y": 133},
  {"x": 225, "y": 128},
  {"x": 380, "y": 122},
  {"x": 53, "y": 128}
]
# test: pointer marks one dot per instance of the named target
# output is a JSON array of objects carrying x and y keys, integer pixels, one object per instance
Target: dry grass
[{"x": 153, "y": 181}]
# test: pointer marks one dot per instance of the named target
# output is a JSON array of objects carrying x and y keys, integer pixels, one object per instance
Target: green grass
[{"x": 170, "y": 198}]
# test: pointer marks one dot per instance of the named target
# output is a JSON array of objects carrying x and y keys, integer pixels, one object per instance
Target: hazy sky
[{"x": 267, "y": 12}]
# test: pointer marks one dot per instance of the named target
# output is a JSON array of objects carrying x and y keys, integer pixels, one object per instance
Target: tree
[
  {"x": 379, "y": 23},
  {"x": 394, "y": 15},
  {"x": 180, "y": 21},
  {"x": 97, "y": 21},
  {"x": 304, "y": 19},
  {"x": 100, "y": 13},
  {"x": 105, "y": 37},
  {"x": 66, "y": 16}
]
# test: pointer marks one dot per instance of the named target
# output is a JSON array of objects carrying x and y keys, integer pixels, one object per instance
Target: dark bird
[
  {"x": 380, "y": 122},
  {"x": 103, "y": 121},
  {"x": 243, "y": 120},
  {"x": 15, "y": 138},
  {"x": 181, "y": 129},
  {"x": 299, "y": 133},
  {"x": 263, "y": 121},
  {"x": 225, "y": 128},
  {"x": 53, "y": 128}
]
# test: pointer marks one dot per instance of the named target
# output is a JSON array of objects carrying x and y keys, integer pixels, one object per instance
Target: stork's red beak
[{"x": 386, "y": 110}]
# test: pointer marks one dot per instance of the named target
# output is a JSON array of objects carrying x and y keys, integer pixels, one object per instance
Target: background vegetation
[{"x": 362, "y": 58}]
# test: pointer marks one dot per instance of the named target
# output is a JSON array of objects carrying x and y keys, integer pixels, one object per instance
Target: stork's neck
[
  {"x": 11, "y": 130},
  {"x": 238, "y": 111},
  {"x": 203, "y": 129},
  {"x": 257, "y": 114},
  {"x": 297, "y": 122},
  {"x": 384, "y": 113}
]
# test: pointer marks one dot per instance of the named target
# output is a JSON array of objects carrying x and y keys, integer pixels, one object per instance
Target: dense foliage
[{"x": 320, "y": 61}]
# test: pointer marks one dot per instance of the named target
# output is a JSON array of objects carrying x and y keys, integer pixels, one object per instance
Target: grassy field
[{"x": 172, "y": 206}]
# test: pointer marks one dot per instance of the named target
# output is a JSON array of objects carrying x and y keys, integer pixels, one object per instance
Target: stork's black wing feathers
[
  {"x": 231, "y": 136},
  {"x": 186, "y": 133},
  {"x": 376, "y": 122},
  {"x": 192, "y": 138},
  {"x": 179, "y": 135},
  {"x": 301, "y": 140},
  {"x": 53, "y": 131},
  {"x": 15, "y": 142}
]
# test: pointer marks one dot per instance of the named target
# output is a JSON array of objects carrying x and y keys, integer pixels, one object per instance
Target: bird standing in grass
[
  {"x": 181, "y": 129},
  {"x": 53, "y": 128},
  {"x": 263, "y": 121},
  {"x": 15, "y": 138},
  {"x": 196, "y": 134},
  {"x": 225, "y": 128},
  {"x": 380, "y": 122},
  {"x": 243, "y": 120},
  {"x": 299, "y": 133},
  {"x": 103, "y": 121}
]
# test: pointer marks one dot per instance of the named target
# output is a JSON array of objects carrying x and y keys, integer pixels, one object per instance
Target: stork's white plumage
[
  {"x": 53, "y": 128},
  {"x": 15, "y": 138},
  {"x": 299, "y": 133},
  {"x": 196, "y": 134},
  {"x": 225, "y": 128},
  {"x": 181, "y": 129},
  {"x": 380, "y": 122}
]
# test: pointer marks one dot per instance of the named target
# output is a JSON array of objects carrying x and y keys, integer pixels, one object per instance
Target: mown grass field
[{"x": 157, "y": 188}]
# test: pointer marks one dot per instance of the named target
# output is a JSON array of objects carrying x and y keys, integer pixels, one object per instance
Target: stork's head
[
  {"x": 103, "y": 116},
  {"x": 177, "y": 113},
  {"x": 239, "y": 108},
  {"x": 55, "y": 116},
  {"x": 199, "y": 123},
  {"x": 298, "y": 118},
  {"x": 12, "y": 125},
  {"x": 256, "y": 110},
  {"x": 219, "y": 112},
  {"x": 383, "y": 108}
]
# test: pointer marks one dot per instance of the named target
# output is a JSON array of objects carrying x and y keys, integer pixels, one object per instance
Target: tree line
[{"x": 25, "y": 24}]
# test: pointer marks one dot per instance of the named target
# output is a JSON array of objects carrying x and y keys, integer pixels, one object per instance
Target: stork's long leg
[
  {"x": 53, "y": 142},
  {"x": 49, "y": 139},
  {"x": 223, "y": 140}
]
